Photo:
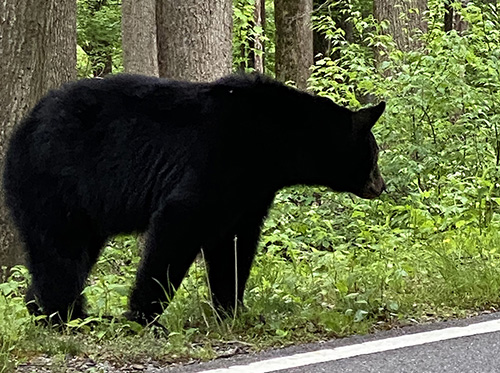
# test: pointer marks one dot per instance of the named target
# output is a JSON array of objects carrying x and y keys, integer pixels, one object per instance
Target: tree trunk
[
  {"x": 140, "y": 53},
  {"x": 194, "y": 39},
  {"x": 294, "y": 40},
  {"x": 38, "y": 49},
  {"x": 452, "y": 18},
  {"x": 405, "y": 18}
]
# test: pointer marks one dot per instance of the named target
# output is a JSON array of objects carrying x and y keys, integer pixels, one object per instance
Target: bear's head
[{"x": 363, "y": 177}]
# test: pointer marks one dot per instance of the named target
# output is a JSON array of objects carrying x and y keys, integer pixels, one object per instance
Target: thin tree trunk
[
  {"x": 38, "y": 49},
  {"x": 194, "y": 39},
  {"x": 452, "y": 18},
  {"x": 257, "y": 54},
  {"x": 140, "y": 53},
  {"x": 294, "y": 41}
]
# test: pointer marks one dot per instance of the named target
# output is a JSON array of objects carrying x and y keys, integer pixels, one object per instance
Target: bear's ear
[{"x": 365, "y": 119}]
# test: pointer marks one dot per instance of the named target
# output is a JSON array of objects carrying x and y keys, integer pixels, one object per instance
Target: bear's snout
[{"x": 374, "y": 187}]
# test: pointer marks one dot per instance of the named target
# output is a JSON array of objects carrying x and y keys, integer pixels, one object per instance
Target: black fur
[{"x": 191, "y": 164}]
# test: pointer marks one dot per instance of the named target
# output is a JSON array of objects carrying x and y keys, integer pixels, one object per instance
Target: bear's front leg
[
  {"x": 172, "y": 244},
  {"x": 230, "y": 259}
]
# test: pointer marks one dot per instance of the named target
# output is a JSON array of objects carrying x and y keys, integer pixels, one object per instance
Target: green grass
[{"x": 364, "y": 274}]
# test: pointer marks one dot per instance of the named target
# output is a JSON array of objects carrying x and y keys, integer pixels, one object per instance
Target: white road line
[{"x": 321, "y": 356}]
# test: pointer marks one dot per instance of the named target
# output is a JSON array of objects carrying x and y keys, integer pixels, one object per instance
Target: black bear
[{"x": 189, "y": 163}]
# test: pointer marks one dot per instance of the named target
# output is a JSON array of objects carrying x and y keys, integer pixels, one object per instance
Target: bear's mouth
[
  {"x": 372, "y": 190},
  {"x": 369, "y": 195}
]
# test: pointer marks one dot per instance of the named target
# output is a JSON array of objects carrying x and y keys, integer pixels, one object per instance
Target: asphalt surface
[
  {"x": 478, "y": 354},
  {"x": 471, "y": 354}
]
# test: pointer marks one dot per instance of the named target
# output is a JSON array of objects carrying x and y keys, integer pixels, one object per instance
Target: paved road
[{"x": 471, "y": 346}]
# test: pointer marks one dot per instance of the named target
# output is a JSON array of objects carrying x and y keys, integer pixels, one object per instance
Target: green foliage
[
  {"x": 15, "y": 320},
  {"x": 440, "y": 152},
  {"x": 439, "y": 135},
  {"x": 245, "y": 32},
  {"x": 99, "y": 37}
]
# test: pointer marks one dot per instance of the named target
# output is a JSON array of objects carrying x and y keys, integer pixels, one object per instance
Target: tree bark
[
  {"x": 140, "y": 53},
  {"x": 294, "y": 41},
  {"x": 405, "y": 20},
  {"x": 194, "y": 39},
  {"x": 38, "y": 49}
]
